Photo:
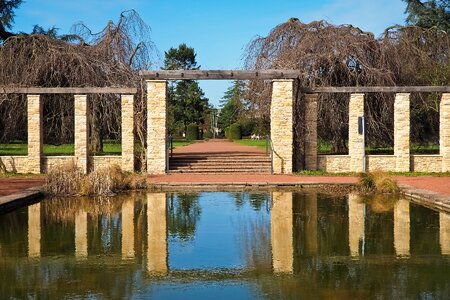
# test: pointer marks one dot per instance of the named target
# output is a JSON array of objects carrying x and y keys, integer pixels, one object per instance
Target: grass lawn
[
  {"x": 257, "y": 143},
  {"x": 68, "y": 149}
]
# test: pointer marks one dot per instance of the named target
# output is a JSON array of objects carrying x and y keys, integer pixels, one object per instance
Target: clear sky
[{"x": 219, "y": 30}]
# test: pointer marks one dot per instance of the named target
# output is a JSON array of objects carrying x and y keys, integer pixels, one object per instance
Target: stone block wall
[
  {"x": 355, "y": 139},
  {"x": 82, "y": 132},
  {"x": 402, "y": 132},
  {"x": 35, "y": 133},
  {"x": 311, "y": 131},
  {"x": 381, "y": 162},
  {"x": 426, "y": 163},
  {"x": 445, "y": 132},
  {"x": 334, "y": 163},
  {"x": 156, "y": 126},
  {"x": 127, "y": 102},
  {"x": 281, "y": 124}
]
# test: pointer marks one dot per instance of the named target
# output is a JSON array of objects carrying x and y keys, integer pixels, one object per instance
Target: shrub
[
  {"x": 235, "y": 132},
  {"x": 377, "y": 181},
  {"x": 68, "y": 180},
  {"x": 227, "y": 132},
  {"x": 192, "y": 132}
]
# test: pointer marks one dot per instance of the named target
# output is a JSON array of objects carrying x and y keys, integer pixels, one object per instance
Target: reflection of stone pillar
[
  {"x": 128, "y": 229},
  {"x": 401, "y": 132},
  {"x": 356, "y": 223},
  {"x": 156, "y": 126},
  {"x": 82, "y": 131},
  {"x": 311, "y": 131},
  {"x": 34, "y": 230},
  {"x": 35, "y": 133},
  {"x": 157, "y": 234},
  {"x": 282, "y": 232},
  {"x": 81, "y": 243},
  {"x": 311, "y": 222},
  {"x": 401, "y": 227},
  {"x": 355, "y": 139},
  {"x": 444, "y": 233},
  {"x": 281, "y": 128},
  {"x": 127, "y": 133}
]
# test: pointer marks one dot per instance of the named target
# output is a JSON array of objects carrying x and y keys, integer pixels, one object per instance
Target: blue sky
[{"x": 218, "y": 30}]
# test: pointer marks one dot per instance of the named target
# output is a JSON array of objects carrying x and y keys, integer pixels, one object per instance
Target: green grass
[
  {"x": 257, "y": 143},
  {"x": 68, "y": 149}
]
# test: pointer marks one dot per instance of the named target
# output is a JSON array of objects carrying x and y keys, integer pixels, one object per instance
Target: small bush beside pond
[
  {"x": 192, "y": 132},
  {"x": 69, "y": 180},
  {"x": 377, "y": 181},
  {"x": 235, "y": 132}
]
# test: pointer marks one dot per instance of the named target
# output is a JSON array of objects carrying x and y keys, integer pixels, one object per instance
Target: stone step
[
  {"x": 225, "y": 162},
  {"x": 231, "y": 166},
  {"x": 223, "y": 171}
]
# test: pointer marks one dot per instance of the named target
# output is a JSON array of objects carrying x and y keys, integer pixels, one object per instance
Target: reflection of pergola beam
[
  {"x": 282, "y": 232},
  {"x": 157, "y": 234},
  {"x": 444, "y": 233},
  {"x": 128, "y": 229},
  {"x": 34, "y": 230},
  {"x": 81, "y": 243},
  {"x": 356, "y": 226},
  {"x": 402, "y": 228}
]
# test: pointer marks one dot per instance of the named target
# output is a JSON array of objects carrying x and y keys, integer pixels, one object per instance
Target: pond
[{"x": 221, "y": 245}]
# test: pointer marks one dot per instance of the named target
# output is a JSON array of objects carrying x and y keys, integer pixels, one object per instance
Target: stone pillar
[
  {"x": 156, "y": 126},
  {"x": 356, "y": 223},
  {"x": 444, "y": 148},
  {"x": 281, "y": 125},
  {"x": 82, "y": 132},
  {"x": 157, "y": 262},
  {"x": 402, "y": 132},
  {"x": 281, "y": 221},
  {"x": 127, "y": 133},
  {"x": 35, "y": 133},
  {"x": 128, "y": 229},
  {"x": 311, "y": 222},
  {"x": 355, "y": 140},
  {"x": 81, "y": 241},
  {"x": 34, "y": 230},
  {"x": 444, "y": 233},
  {"x": 311, "y": 131},
  {"x": 401, "y": 228}
]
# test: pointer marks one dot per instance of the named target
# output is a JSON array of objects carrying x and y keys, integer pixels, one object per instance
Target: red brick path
[{"x": 10, "y": 185}]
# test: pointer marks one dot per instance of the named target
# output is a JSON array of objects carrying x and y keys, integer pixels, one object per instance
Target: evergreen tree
[
  {"x": 427, "y": 14},
  {"x": 187, "y": 102},
  {"x": 232, "y": 105},
  {"x": 7, "y": 17}
]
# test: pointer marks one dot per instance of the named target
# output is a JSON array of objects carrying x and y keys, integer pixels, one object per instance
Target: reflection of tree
[
  {"x": 184, "y": 212},
  {"x": 257, "y": 200}
]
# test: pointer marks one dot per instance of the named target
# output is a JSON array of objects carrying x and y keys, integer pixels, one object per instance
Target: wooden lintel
[
  {"x": 219, "y": 74},
  {"x": 64, "y": 90},
  {"x": 377, "y": 89}
]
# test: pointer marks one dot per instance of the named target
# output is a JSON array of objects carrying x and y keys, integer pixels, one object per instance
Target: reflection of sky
[{"x": 215, "y": 244}]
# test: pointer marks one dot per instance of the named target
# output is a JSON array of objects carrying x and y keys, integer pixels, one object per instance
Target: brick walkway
[
  {"x": 11, "y": 185},
  {"x": 218, "y": 147}
]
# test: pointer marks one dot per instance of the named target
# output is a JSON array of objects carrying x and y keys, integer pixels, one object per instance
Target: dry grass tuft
[
  {"x": 68, "y": 180},
  {"x": 378, "y": 181}
]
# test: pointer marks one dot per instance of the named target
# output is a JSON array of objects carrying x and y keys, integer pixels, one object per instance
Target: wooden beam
[
  {"x": 377, "y": 89},
  {"x": 61, "y": 90},
  {"x": 219, "y": 74}
]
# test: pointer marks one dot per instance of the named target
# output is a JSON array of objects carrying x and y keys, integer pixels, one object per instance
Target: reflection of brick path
[{"x": 10, "y": 185}]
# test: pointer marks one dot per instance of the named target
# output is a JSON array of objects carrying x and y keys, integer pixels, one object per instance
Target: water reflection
[{"x": 279, "y": 244}]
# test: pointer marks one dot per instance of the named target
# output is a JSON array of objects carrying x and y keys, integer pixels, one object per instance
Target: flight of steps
[{"x": 220, "y": 164}]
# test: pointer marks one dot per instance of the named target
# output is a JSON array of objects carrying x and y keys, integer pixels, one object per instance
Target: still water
[{"x": 225, "y": 245}]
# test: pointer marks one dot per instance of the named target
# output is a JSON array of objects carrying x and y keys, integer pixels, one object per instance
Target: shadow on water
[{"x": 241, "y": 245}]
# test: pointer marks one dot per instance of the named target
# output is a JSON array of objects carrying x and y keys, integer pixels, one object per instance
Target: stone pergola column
[
  {"x": 311, "y": 131},
  {"x": 444, "y": 147},
  {"x": 402, "y": 132},
  {"x": 127, "y": 133},
  {"x": 157, "y": 262},
  {"x": 35, "y": 133},
  {"x": 156, "y": 126},
  {"x": 281, "y": 125},
  {"x": 282, "y": 233},
  {"x": 401, "y": 228},
  {"x": 82, "y": 132},
  {"x": 355, "y": 140}
]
